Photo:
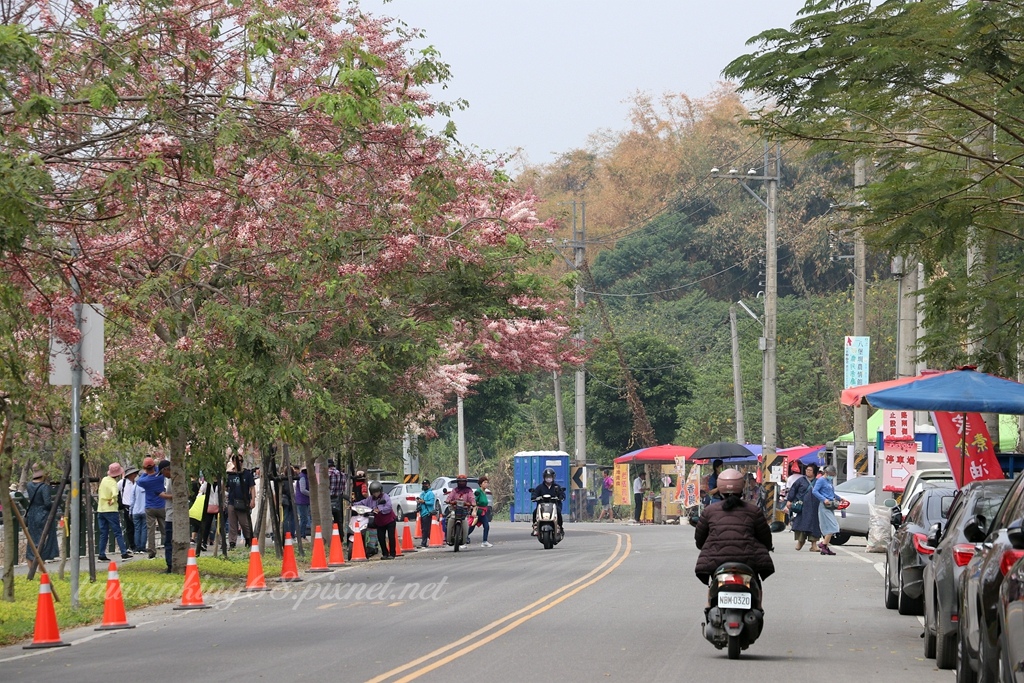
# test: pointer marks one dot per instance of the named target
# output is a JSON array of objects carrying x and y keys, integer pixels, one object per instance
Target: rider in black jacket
[{"x": 549, "y": 487}]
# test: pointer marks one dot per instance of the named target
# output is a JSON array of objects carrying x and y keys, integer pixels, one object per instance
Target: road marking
[
  {"x": 539, "y": 607},
  {"x": 852, "y": 554}
]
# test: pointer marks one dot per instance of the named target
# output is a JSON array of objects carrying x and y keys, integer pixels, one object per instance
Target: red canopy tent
[
  {"x": 854, "y": 396},
  {"x": 665, "y": 455}
]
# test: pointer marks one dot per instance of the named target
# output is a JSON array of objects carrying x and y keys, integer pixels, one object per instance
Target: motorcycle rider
[
  {"x": 733, "y": 531},
  {"x": 548, "y": 487},
  {"x": 462, "y": 492},
  {"x": 384, "y": 518}
]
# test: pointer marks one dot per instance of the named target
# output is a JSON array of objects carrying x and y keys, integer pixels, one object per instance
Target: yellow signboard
[{"x": 622, "y": 494}]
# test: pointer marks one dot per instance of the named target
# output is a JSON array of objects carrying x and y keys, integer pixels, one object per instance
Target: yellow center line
[{"x": 545, "y": 603}]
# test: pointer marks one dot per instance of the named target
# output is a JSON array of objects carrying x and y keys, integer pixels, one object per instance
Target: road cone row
[
  {"x": 192, "y": 592},
  {"x": 319, "y": 561},
  {"x": 337, "y": 557},
  {"x": 46, "y": 631},
  {"x": 114, "y": 616},
  {"x": 289, "y": 570}
]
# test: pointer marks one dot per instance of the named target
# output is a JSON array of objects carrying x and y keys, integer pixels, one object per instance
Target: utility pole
[
  {"x": 772, "y": 173},
  {"x": 860, "y": 325},
  {"x": 463, "y": 461},
  {"x": 559, "y": 416},
  {"x": 579, "y": 241},
  {"x": 737, "y": 377}
]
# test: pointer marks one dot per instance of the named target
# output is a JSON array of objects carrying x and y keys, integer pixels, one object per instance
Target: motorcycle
[
  {"x": 360, "y": 522},
  {"x": 459, "y": 511},
  {"x": 548, "y": 532},
  {"x": 734, "y": 619}
]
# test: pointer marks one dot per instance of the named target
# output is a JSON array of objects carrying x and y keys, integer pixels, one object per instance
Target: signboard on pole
[
  {"x": 62, "y": 353},
  {"x": 899, "y": 463},
  {"x": 857, "y": 356}
]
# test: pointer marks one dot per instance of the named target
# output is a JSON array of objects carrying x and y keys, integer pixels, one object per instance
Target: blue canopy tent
[{"x": 960, "y": 391}]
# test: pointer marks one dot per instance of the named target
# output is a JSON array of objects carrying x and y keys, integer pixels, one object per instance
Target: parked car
[
  {"x": 855, "y": 519},
  {"x": 978, "y": 626},
  {"x": 1011, "y": 614},
  {"x": 942, "y": 475},
  {"x": 442, "y": 485},
  {"x": 952, "y": 553},
  {"x": 908, "y": 550},
  {"x": 403, "y": 499}
]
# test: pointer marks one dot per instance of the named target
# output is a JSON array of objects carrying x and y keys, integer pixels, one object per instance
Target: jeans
[
  {"x": 140, "y": 531},
  {"x": 287, "y": 521},
  {"x": 303, "y": 520},
  {"x": 483, "y": 520},
  {"x": 110, "y": 522}
]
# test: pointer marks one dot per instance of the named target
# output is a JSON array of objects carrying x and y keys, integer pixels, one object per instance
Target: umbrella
[
  {"x": 958, "y": 391},
  {"x": 721, "y": 450},
  {"x": 656, "y": 454},
  {"x": 855, "y": 396}
]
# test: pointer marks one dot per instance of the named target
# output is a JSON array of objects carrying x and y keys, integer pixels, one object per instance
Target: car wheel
[
  {"x": 840, "y": 538},
  {"x": 964, "y": 672},
  {"x": 890, "y": 595},
  {"x": 945, "y": 646},
  {"x": 904, "y": 603}
]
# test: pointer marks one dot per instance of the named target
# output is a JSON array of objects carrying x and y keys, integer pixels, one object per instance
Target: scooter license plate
[{"x": 734, "y": 600}]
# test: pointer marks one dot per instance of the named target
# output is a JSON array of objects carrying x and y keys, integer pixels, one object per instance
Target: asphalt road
[{"x": 611, "y": 602}]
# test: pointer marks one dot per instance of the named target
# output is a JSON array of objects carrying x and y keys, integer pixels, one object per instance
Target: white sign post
[{"x": 62, "y": 354}]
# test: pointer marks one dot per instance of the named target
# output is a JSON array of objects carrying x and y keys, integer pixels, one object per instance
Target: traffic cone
[
  {"x": 398, "y": 547},
  {"x": 319, "y": 563},
  {"x": 289, "y": 570},
  {"x": 358, "y": 550},
  {"x": 255, "y": 581},
  {"x": 113, "y": 604},
  {"x": 416, "y": 529},
  {"x": 46, "y": 633},
  {"x": 407, "y": 545},
  {"x": 192, "y": 593},
  {"x": 337, "y": 557},
  {"x": 436, "y": 540}
]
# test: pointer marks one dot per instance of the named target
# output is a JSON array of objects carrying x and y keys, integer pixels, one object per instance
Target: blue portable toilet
[{"x": 528, "y": 469}]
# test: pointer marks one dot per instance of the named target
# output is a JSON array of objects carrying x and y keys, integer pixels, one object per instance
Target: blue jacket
[
  {"x": 429, "y": 500},
  {"x": 153, "y": 485},
  {"x": 823, "y": 489}
]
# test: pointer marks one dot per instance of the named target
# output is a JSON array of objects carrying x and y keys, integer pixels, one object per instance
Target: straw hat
[{"x": 38, "y": 472}]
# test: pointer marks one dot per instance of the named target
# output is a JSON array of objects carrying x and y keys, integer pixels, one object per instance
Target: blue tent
[{"x": 960, "y": 391}]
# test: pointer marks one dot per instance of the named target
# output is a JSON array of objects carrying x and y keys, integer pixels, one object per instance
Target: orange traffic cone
[
  {"x": 358, "y": 550},
  {"x": 436, "y": 540},
  {"x": 416, "y": 529},
  {"x": 319, "y": 563},
  {"x": 337, "y": 557},
  {"x": 192, "y": 593},
  {"x": 46, "y": 634},
  {"x": 113, "y": 604},
  {"x": 289, "y": 570},
  {"x": 255, "y": 581},
  {"x": 407, "y": 545},
  {"x": 397, "y": 550}
]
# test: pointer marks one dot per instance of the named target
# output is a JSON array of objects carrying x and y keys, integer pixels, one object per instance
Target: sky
[{"x": 541, "y": 75}]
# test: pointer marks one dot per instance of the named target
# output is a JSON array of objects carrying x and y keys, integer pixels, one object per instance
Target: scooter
[
  {"x": 457, "y": 536},
  {"x": 548, "y": 532},
  {"x": 360, "y": 522},
  {"x": 734, "y": 619}
]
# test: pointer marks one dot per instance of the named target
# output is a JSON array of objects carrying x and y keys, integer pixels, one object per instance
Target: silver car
[
  {"x": 403, "y": 499},
  {"x": 855, "y": 520}
]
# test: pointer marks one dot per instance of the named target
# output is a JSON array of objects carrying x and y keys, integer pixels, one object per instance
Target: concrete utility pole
[
  {"x": 559, "y": 415},
  {"x": 771, "y": 175},
  {"x": 860, "y": 325},
  {"x": 463, "y": 461},
  {"x": 737, "y": 377},
  {"x": 579, "y": 243}
]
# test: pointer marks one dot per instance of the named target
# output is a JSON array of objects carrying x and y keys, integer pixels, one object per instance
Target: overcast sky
[{"x": 542, "y": 75}]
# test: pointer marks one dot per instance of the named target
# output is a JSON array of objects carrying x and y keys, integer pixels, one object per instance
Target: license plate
[{"x": 741, "y": 600}]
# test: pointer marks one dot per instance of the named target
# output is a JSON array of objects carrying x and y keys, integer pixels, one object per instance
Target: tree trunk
[
  {"x": 179, "y": 503},
  {"x": 323, "y": 501},
  {"x": 10, "y": 524}
]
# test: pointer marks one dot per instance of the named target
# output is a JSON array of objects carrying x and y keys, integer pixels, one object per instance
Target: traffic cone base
[
  {"x": 337, "y": 557},
  {"x": 46, "y": 632},
  {"x": 319, "y": 561},
  {"x": 255, "y": 581},
  {"x": 289, "y": 570},
  {"x": 113, "y": 603},
  {"x": 358, "y": 549},
  {"x": 407, "y": 545},
  {"x": 192, "y": 592}
]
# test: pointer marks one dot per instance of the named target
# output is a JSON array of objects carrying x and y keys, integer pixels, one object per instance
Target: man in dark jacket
[{"x": 733, "y": 531}]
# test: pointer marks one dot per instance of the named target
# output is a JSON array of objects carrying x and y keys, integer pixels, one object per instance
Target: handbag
[
  {"x": 196, "y": 511},
  {"x": 796, "y": 506}
]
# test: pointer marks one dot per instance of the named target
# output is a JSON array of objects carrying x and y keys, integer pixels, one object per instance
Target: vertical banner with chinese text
[
  {"x": 622, "y": 493},
  {"x": 970, "y": 452}
]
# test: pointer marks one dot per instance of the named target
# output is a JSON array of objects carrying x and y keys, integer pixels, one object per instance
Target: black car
[
  {"x": 952, "y": 553},
  {"x": 908, "y": 550},
  {"x": 978, "y": 630},
  {"x": 1011, "y": 613}
]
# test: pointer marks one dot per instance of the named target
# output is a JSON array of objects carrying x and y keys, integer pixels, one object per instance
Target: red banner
[{"x": 980, "y": 460}]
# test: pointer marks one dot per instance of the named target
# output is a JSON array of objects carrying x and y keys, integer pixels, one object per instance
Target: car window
[
  {"x": 944, "y": 504},
  {"x": 988, "y": 502},
  {"x": 916, "y": 506},
  {"x": 857, "y": 485},
  {"x": 1010, "y": 508}
]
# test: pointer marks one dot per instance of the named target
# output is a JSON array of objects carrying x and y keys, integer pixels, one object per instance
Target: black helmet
[
  {"x": 376, "y": 487},
  {"x": 548, "y": 472}
]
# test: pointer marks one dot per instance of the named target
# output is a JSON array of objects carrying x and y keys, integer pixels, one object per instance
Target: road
[{"x": 612, "y": 602}]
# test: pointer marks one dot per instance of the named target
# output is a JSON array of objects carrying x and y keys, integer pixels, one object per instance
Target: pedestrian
[
  {"x": 163, "y": 469},
  {"x": 286, "y": 491},
  {"x": 138, "y": 512},
  {"x": 211, "y": 508},
  {"x": 39, "y": 501},
  {"x": 359, "y": 490},
  {"x": 384, "y": 519},
  {"x": 483, "y": 508},
  {"x": 805, "y": 520},
  {"x": 302, "y": 501},
  {"x": 639, "y": 486},
  {"x": 336, "y": 480},
  {"x": 824, "y": 490},
  {"x": 426, "y": 502},
  {"x": 152, "y": 483},
  {"x": 607, "y": 487},
  {"x": 125, "y": 498},
  {"x": 713, "y": 495},
  {"x": 240, "y": 486},
  {"x": 107, "y": 511}
]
